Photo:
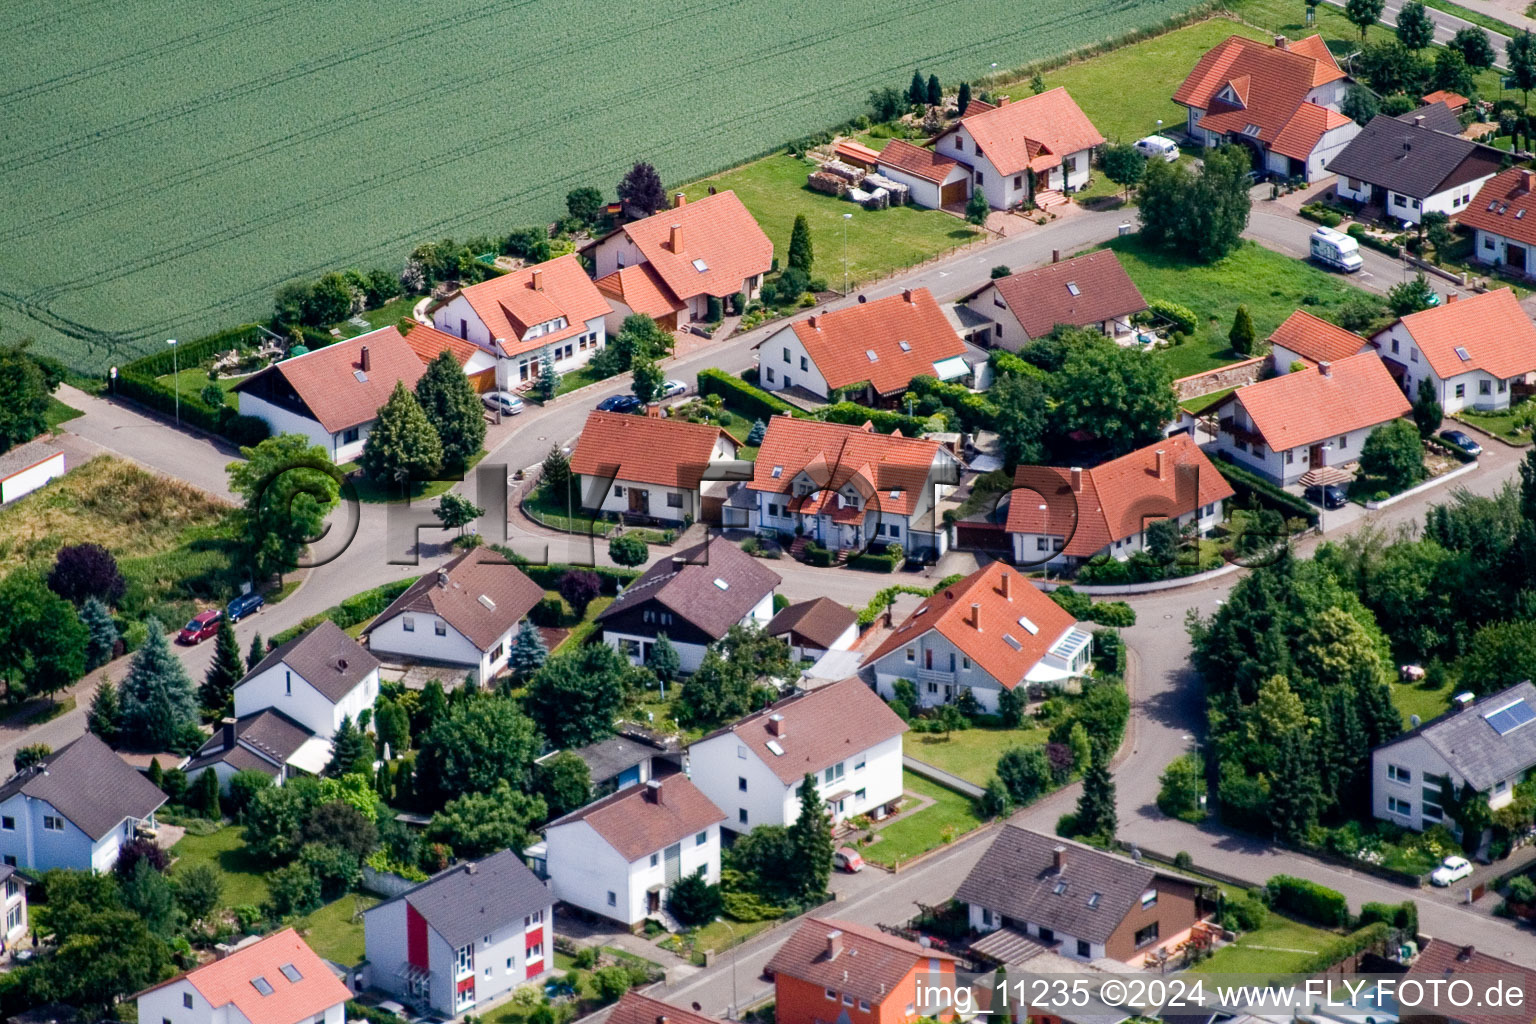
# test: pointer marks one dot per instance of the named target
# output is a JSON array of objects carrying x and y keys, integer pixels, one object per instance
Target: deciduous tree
[
  {"x": 1475, "y": 48},
  {"x": 287, "y": 487},
  {"x": 575, "y": 697},
  {"x": 1363, "y": 13},
  {"x": 1123, "y": 164},
  {"x": 474, "y": 746},
  {"x": 629, "y": 550},
  {"x": 1415, "y": 27},
  {"x": 646, "y": 379},
  {"x": 1359, "y": 104},
  {"x": 641, "y": 189},
  {"x": 1520, "y": 58},
  {"x": 83, "y": 571},
  {"x": 1410, "y": 296},
  {"x": 479, "y": 824},
  {"x": 585, "y": 204},
  {"x": 1116, "y": 394},
  {"x": 1394, "y": 452},
  {"x": 42, "y": 640},
  {"x": 565, "y": 782}
]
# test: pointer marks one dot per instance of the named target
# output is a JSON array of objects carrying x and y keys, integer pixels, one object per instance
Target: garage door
[{"x": 954, "y": 192}]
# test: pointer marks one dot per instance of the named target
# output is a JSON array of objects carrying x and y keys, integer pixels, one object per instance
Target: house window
[
  {"x": 1070, "y": 164},
  {"x": 186, "y": 1000},
  {"x": 8, "y": 823},
  {"x": 701, "y": 839},
  {"x": 1398, "y": 774},
  {"x": 1083, "y": 949},
  {"x": 496, "y": 651},
  {"x": 1147, "y": 935},
  {"x": 1488, "y": 242},
  {"x": 1461, "y": 391},
  {"x": 1047, "y": 934},
  {"x": 509, "y": 965},
  {"x": 1502, "y": 386},
  {"x": 407, "y": 623},
  {"x": 13, "y": 919},
  {"x": 965, "y": 663},
  {"x": 1394, "y": 346},
  {"x": 959, "y": 148},
  {"x": 933, "y": 687},
  {"x": 11, "y": 888},
  {"x": 832, "y": 994},
  {"x": 847, "y": 999},
  {"x": 613, "y": 899},
  {"x": 741, "y": 751},
  {"x": 618, "y": 490},
  {"x": 860, "y": 794},
  {"x": 911, "y": 655},
  {"x": 1290, "y": 457},
  {"x": 1343, "y": 441},
  {"x": 288, "y": 683},
  {"x": 655, "y": 859},
  {"x": 1413, "y": 355},
  {"x": 858, "y": 765},
  {"x": 53, "y": 823},
  {"x": 741, "y": 815},
  {"x": 863, "y": 1006},
  {"x": 1040, "y": 544},
  {"x": 537, "y": 917},
  {"x": 440, "y": 627},
  {"x": 770, "y": 375},
  {"x": 804, "y": 363},
  {"x": 349, "y": 436},
  {"x": 833, "y": 773},
  {"x": 535, "y": 952},
  {"x": 1018, "y": 181},
  {"x": 1396, "y": 806},
  {"x": 997, "y": 300},
  {"x": 463, "y": 961},
  {"x": 9, "y": 860},
  {"x": 1149, "y": 899},
  {"x": 978, "y": 177},
  {"x": 741, "y": 784},
  {"x": 786, "y": 355},
  {"x": 674, "y": 500}
]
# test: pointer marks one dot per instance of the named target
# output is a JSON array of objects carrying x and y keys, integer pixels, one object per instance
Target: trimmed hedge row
[
  {"x": 355, "y": 609},
  {"x": 1181, "y": 317},
  {"x": 1244, "y": 481},
  {"x": 1372, "y": 935},
  {"x": 975, "y": 411},
  {"x": 1322, "y": 215},
  {"x": 752, "y": 402},
  {"x": 819, "y": 556},
  {"x": 1309, "y": 901},
  {"x": 886, "y": 421},
  {"x": 190, "y": 353},
  {"x": 886, "y": 561},
  {"x": 1402, "y": 916},
  {"x": 1370, "y": 241},
  {"x": 1005, "y": 362},
  {"x": 876, "y": 606}
]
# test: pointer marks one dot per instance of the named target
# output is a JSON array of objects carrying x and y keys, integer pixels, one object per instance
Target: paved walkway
[{"x": 942, "y": 777}]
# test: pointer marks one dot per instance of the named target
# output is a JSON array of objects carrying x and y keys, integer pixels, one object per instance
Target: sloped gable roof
[
  {"x": 325, "y": 657},
  {"x": 718, "y": 233},
  {"x": 1505, "y": 206},
  {"x": 641, "y": 289},
  {"x": 88, "y": 784},
  {"x": 1275, "y": 82},
  {"x": 1413, "y": 159},
  {"x": 1471, "y": 745},
  {"x": 1036, "y": 132},
  {"x": 1316, "y": 339},
  {"x": 713, "y": 585},
  {"x": 1494, "y": 331},
  {"x": 646, "y": 449},
  {"x": 641, "y": 820},
  {"x": 231, "y": 981},
  {"x": 428, "y": 343},
  {"x": 907, "y": 333},
  {"x": 479, "y": 593},
  {"x": 893, "y": 467},
  {"x": 1308, "y": 407},
  {"x": 477, "y": 897},
  {"x": 1080, "y": 291},
  {"x": 918, "y": 161},
  {"x": 332, "y": 384},
  {"x": 511, "y": 304},
  {"x": 820, "y": 621},
  {"x": 869, "y": 965},
  {"x": 267, "y": 732}
]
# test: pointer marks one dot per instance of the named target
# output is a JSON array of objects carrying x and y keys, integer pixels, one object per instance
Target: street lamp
[
  {"x": 175, "y": 378},
  {"x": 846, "y": 218},
  {"x": 569, "y": 522},
  {"x": 1322, "y": 506},
  {"x": 735, "y": 949}
]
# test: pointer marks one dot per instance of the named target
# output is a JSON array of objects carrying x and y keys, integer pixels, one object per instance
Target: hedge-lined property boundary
[
  {"x": 1246, "y": 482},
  {"x": 746, "y": 398}
]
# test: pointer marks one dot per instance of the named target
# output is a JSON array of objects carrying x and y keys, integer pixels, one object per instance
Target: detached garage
[
  {"x": 934, "y": 180},
  {"x": 27, "y": 467}
]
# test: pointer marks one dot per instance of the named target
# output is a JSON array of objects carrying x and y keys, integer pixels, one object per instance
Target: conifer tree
[
  {"x": 1242, "y": 334},
  {"x": 103, "y": 717},
  {"x": 963, "y": 100},
  {"x": 935, "y": 91},
  {"x": 1096, "y": 806},
  {"x": 257, "y": 652},
  {"x": 218, "y": 689},
  {"x": 917, "y": 92},
  {"x": 207, "y": 796},
  {"x": 157, "y": 704},
  {"x": 403, "y": 445},
  {"x": 801, "y": 253},
  {"x": 528, "y": 652},
  {"x": 103, "y": 633},
  {"x": 1293, "y": 791},
  {"x": 349, "y": 750},
  {"x": 810, "y": 837}
]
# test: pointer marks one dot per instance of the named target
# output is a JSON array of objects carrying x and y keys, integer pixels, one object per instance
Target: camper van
[
  {"x": 1158, "y": 147},
  {"x": 1336, "y": 249}
]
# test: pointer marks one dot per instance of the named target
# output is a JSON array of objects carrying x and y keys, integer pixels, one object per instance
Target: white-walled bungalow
[
  {"x": 277, "y": 980},
  {"x": 1091, "y": 291},
  {"x": 651, "y": 467},
  {"x": 265, "y": 741},
  {"x": 1303, "y": 340},
  {"x": 843, "y": 734},
  {"x": 812, "y": 628},
  {"x": 933, "y": 180},
  {"x": 332, "y": 395},
  {"x": 1502, "y": 217},
  {"x": 1408, "y": 169},
  {"x": 1033, "y": 149},
  {"x": 317, "y": 679},
  {"x": 465, "y": 614},
  {"x": 1471, "y": 349}
]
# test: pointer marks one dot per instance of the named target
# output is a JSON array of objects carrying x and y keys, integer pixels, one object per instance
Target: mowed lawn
[
  {"x": 970, "y": 753},
  {"x": 1280, "y": 946},
  {"x": 917, "y": 833},
  {"x": 1271, "y": 285},
  {"x": 880, "y": 242}
]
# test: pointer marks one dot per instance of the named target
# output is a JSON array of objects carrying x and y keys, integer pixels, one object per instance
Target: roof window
[
  {"x": 262, "y": 985},
  {"x": 773, "y": 745},
  {"x": 872, "y": 357},
  {"x": 1008, "y": 639},
  {"x": 722, "y": 584},
  {"x": 1029, "y": 627},
  {"x": 1251, "y": 129},
  {"x": 1073, "y": 289},
  {"x": 362, "y": 378},
  {"x": 906, "y": 346},
  {"x": 700, "y": 266},
  {"x": 291, "y": 972},
  {"x": 1061, "y": 889},
  {"x": 778, "y": 471},
  {"x": 485, "y": 600},
  {"x": 1463, "y": 354},
  {"x": 1093, "y": 901},
  {"x": 1520, "y": 213}
]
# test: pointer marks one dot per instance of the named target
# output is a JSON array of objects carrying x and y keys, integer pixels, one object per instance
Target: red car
[{"x": 203, "y": 626}]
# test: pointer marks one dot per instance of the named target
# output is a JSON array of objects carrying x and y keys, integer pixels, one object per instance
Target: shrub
[
  {"x": 1402, "y": 916},
  {"x": 1108, "y": 652},
  {"x": 1521, "y": 890},
  {"x": 750, "y": 401},
  {"x": 1244, "y": 913},
  {"x": 885, "y": 561},
  {"x": 1246, "y": 483},
  {"x": 1112, "y": 613},
  {"x": 1180, "y": 317},
  {"x": 628, "y": 550},
  {"x": 1183, "y": 861},
  {"x": 549, "y": 612},
  {"x": 86, "y": 570},
  {"x": 819, "y": 556},
  {"x": 693, "y": 901},
  {"x": 1322, "y": 215},
  {"x": 246, "y": 431},
  {"x": 1001, "y": 270},
  {"x": 1308, "y": 900}
]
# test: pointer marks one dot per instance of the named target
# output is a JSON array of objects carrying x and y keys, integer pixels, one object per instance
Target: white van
[
  {"x": 1336, "y": 249},
  {"x": 1158, "y": 147}
]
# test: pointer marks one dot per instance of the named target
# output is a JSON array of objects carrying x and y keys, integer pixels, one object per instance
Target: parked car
[
  {"x": 202, "y": 626},
  {"x": 847, "y": 859},
  {"x": 672, "y": 388},
  {"x": 1335, "y": 249},
  {"x": 504, "y": 402},
  {"x": 1452, "y": 869},
  {"x": 1158, "y": 147},
  {"x": 1461, "y": 439},
  {"x": 619, "y": 403},
  {"x": 1329, "y": 496},
  {"x": 244, "y": 605}
]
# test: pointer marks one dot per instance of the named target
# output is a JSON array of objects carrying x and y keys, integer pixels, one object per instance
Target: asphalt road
[{"x": 1447, "y": 25}]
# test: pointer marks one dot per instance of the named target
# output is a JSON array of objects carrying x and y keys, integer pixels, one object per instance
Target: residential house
[
  {"x": 277, "y": 980},
  {"x": 1066, "y": 516},
  {"x": 465, "y": 614},
  {"x": 634, "y": 1008},
  {"x": 834, "y": 970},
  {"x": 843, "y": 734},
  {"x": 1303, "y": 340},
  {"x": 693, "y": 597},
  {"x": 74, "y": 808},
  {"x": 1442, "y": 963},
  {"x": 1408, "y": 169},
  {"x": 686, "y": 255},
  {"x": 1083, "y": 903},
  {"x": 332, "y": 395},
  {"x": 13, "y": 906},
  {"x": 1091, "y": 291},
  {"x": 848, "y": 487},
  {"x": 1488, "y": 743},
  {"x": 933, "y": 180},
  {"x": 265, "y": 741},
  {"x": 618, "y": 856},
  {"x": 1281, "y": 102},
  {"x": 27, "y": 467},
  {"x": 628, "y": 759},
  {"x": 869, "y": 352},
  {"x": 812, "y": 628},
  {"x": 652, "y": 467},
  {"x": 1502, "y": 217},
  {"x": 1472, "y": 350},
  {"x": 1030, "y": 150},
  {"x": 551, "y": 308},
  {"x": 991, "y": 631},
  {"x": 316, "y": 679},
  {"x": 1286, "y": 427},
  {"x": 462, "y": 938},
  {"x": 479, "y": 364}
]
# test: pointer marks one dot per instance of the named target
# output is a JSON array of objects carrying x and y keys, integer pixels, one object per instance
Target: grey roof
[
  {"x": 25, "y": 456},
  {"x": 479, "y": 593},
  {"x": 88, "y": 784},
  {"x": 608, "y": 758},
  {"x": 1438, "y": 116},
  {"x": 1472, "y": 747},
  {"x": 268, "y": 732},
  {"x": 1017, "y": 877},
  {"x": 688, "y": 582},
  {"x": 327, "y": 658},
  {"x": 477, "y": 897},
  {"x": 1413, "y": 159},
  {"x": 815, "y": 623}
]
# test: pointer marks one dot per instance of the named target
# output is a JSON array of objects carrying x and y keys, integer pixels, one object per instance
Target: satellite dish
[{"x": 1413, "y": 722}]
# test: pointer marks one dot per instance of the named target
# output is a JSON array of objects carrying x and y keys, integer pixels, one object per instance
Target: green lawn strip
[
  {"x": 57, "y": 413},
  {"x": 1200, "y": 403},
  {"x": 1271, "y": 285},
  {"x": 245, "y": 882},
  {"x": 1503, "y": 28},
  {"x": 880, "y": 242},
  {"x": 917, "y": 833},
  {"x": 552, "y": 511},
  {"x": 1268, "y": 950},
  {"x": 375, "y": 493},
  {"x": 1501, "y": 424},
  {"x": 578, "y": 378},
  {"x": 1419, "y": 699},
  {"x": 717, "y": 935},
  {"x": 335, "y": 931},
  {"x": 971, "y": 753},
  {"x": 392, "y": 312}
]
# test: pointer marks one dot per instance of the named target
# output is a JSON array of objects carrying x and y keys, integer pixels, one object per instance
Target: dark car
[
  {"x": 202, "y": 626},
  {"x": 244, "y": 605},
  {"x": 1462, "y": 440},
  {"x": 1326, "y": 495},
  {"x": 619, "y": 403}
]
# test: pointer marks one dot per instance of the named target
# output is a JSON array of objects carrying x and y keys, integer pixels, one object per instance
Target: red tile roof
[
  {"x": 634, "y": 1008},
  {"x": 640, "y": 820},
  {"x": 1301, "y": 134},
  {"x": 641, "y": 289},
  {"x": 1271, "y": 86},
  {"x": 1512, "y": 196},
  {"x": 833, "y": 454},
  {"x": 509, "y": 305},
  {"x": 229, "y": 981},
  {"x": 1444, "y": 960},
  {"x": 817, "y": 729},
  {"x": 856, "y": 151},
  {"x": 1117, "y": 498},
  {"x": 1307, "y": 407},
  {"x": 1494, "y": 332},
  {"x": 917, "y": 161},
  {"x": 1036, "y": 132},
  {"x": 869, "y": 965},
  {"x": 1002, "y": 620},
  {"x": 1316, "y": 339},
  {"x": 428, "y": 342},
  {"x": 717, "y": 233},
  {"x": 332, "y": 384},
  {"x": 459, "y": 591},
  {"x": 647, "y": 450},
  {"x": 907, "y": 333},
  {"x": 1455, "y": 101},
  {"x": 1043, "y": 298}
]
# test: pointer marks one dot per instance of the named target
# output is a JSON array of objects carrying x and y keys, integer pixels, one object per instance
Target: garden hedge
[
  {"x": 1402, "y": 916},
  {"x": 1322, "y": 215},
  {"x": 976, "y": 412},
  {"x": 1244, "y": 482},
  {"x": 1182, "y": 318},
  {"x": 1372, "y": 935},
  {"x": 1309, "y": 901},
  {"x": 885, "y": 421},
  {"x": 355, "y": 609},
  {"x": 870, "y": 562},
  {"x": 752, "y": 402}
]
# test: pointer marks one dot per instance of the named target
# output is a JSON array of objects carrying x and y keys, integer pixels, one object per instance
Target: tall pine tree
[
  {"x": 207, "y": 794},
  {"x": 801, "y": 253},
  {"x": 935, "y": 91},
  {"x": 963, "y": 100},
  {"x": 158, "y": 706},
  {"x": 103, "y": 633},
  {"x": 257, "y": 652},
  {"x": 218, "y": 689},
  {"x": 1294, "y": 793},
  {"x": 103, "y": 716},
  {"x": 403, "y": 445},
  {"x": 351, "y": 751},
  {"x": 917, "y": 92},
  {"x": 453, "y": 409},
  {"x": 810, "y": 838},
  {"x": 528, "y": 652},
  {"x": 1096, "y": 816}
]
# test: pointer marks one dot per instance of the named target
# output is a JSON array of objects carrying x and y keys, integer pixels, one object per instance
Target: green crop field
[{"x": 168, "y": 165}]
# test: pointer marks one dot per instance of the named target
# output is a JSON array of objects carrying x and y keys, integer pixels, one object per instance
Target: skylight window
[
  {"x": 1520, "y": 213},
  {"x": 486, "y": 600},
  {"x": 1510, "y": 717},
  {"x": 1011, "y": 642},
  {"x": 1073, "y": 289},
  {"x": 1463, "y": 354},
  {"x": 1093, "y": 901},
  {"x": 291, "y": 972},
  {"x": 700, "y": 266},
  {"x": 895, "y": 494},
  {"x": 1492, "y": 204},
  {"x": 773, "y": 745},
  {"x": 722, "y": 584},
  {"x": 1029, "y": 627},
  {"x": 362, "y": 378},
  {"x": 1061, "y": 889},
  {"x": 778, "y": 471},
  {"x": 262, "y": 985},
  {"x": 872, "y": 357},
  {"x": 906, "y": 346},
  {"x": 1251, "y": 129}
]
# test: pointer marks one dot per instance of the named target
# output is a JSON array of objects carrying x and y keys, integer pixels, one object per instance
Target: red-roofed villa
[
  {"x": 278, "y": 980},
  {"x": 1032, "y": 149},
  {"x": 651, "y": 468}
]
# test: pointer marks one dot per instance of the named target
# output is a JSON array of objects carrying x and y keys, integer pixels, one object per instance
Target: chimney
[
  {"x": 679, "y": 200},
  {"x": 1002, "y": 101},
  {"x": 471, "y": 868},
  {"x": 1325, "y": 368},
  {"x": 976, "y": 616},
  {"x": 1418, "y": 121},
  {"x": 653, "y": 792},
  {"x": 906, "y": 296},
  {"x": 1452, "y": 297},
  {"x": 661, "y": 1018},
  {"x": 812, "y": 322},
  {"x": 1007, "y": 586},
  {"x": 538, "y": 279},
  {"x": 442, "y": 577},
  {"x": 1463, "y": 701},
  {"x": 341, "y": 664},
  {"x": 1055, "y": 255},
  {"x": 677, "y": 238},
  {"x": 229, "y": 733},
  {"x": 1059, "y": 859},
  {"x": 1527, "y": 179},
  {"x": 1282, "y": 43},
  {"x": 363, "y": 358},
  {"x": 1162, "y": 464},
  {"x": 834, "y": 944},
  {"x": 1077, "y": 479},
  {"x": 776, "y": 725},
  {"x": 1466, "y": 953}
]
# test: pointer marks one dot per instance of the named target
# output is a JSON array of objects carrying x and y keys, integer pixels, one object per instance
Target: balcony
[{"x": 932, "y": 675}]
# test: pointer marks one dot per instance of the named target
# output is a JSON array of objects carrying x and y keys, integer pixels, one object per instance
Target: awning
[
  {"x": 841, "y": 794},
  {"x": 949, "y": 369},
  {"x": 312, "y": 756}
]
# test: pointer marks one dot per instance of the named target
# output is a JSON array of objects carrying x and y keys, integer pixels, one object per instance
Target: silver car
[{"x": 504, "y": 402}]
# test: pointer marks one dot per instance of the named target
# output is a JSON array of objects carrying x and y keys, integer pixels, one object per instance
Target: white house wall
[
  {"x": 880, "y": 781},
  {"x": 301, "y": 701},
  {"x": 938, "y": 685},
  {"x": 1329, "y": 146},
  {"x": 783, "y": 362},
  {"x": 616, "y": 252},
  {"x": 284, "y": 421},
  {"x": 37, "y": 849},
  {"x": 1418, "y": 368},
  {"x": 30, "y": 479},
  {"x": 920, "y": 191},
  {"x": 453, "y": 647},
  {"x": 584, "y": 870},
  {"x": 984, "y": 920},
  {"x": 1007, "y": 332},
  {"x": 386, "y": 944}
]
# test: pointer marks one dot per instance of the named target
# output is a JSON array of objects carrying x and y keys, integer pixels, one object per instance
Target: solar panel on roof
[{"x": 1507, "y": 719}]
